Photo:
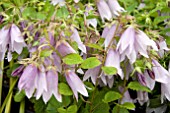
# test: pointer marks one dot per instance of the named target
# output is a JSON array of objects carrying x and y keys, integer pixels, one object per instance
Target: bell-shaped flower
[
  {"x": 75, "y": 84},
  {"x": 149, "y": 80},
  {"x": 141, "y": 79},
  {"x": 142, "y": 97},
  {"x": 104, "y": 10},
  {"x": 12, "y": 40},
  {"x": 27, "y": 80},
  {"x": 18, "y": 71},
  {"x": 161, "y": 74},
  {"x": 40, "y": 82},
  {"x": 75, "y": 36},
  {"x": 165, "y": 88},
  {"x": 108, "y": 34},
  {"x": 64, "y": 48},
  {"x": 126, "y": 96},
  {"x": 93, "y": 73},
  {"x": 162, "y": 48},
  {"x": 113, "y": 60},
  {"x": 4, "y": 41},
  {"x": 52, "y": 86},
  {"x": 92, "y": 21},
  {"x": 133, "y": 42},
  {"x": 115, "y": 7}
]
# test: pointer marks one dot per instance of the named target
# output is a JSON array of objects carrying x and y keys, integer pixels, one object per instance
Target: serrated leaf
[
  {"x": 72, "y": 59},
  {"x": 45, "y": 53},
  {"x": 138, "y": 87},
  {"x": 128, "y": 105},
  {"x": 90, "y": 63},
  {"x": 121, "y": 110},
  {"x": 159, "y": 19},
  {"x": 62, "y": 12},
  {"x": 19, "y": 96},
  {"x": 61, "y": 110},
  {"x": 64, "y": 89},
  {"x": 39, "y": 106},
  {"x": 111, "y": 96},
  {"x": 95, "y": 46},
  {"x": 109, "y": 70},
  {"x": 72, "y": 109}
]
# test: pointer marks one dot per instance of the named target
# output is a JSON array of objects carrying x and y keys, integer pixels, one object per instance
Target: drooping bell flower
[
  {"x": 142, "y": 97},
  {"x": 18, "y": 71},
  {"x": 162, "y": 48},
  {"x": 165, "y": 88},
  {"x": 92, "y": 21},
  {"x": 64, "y": 48},
  {"x": 104, "y": 10},
  {"x": 40, "y": 82},
  {"x": 11, "y": 39},
  {"x": 126, "y": 96},
  {"x": 27, "y": 80},
  {"x": 149, "y": 79},
  {"x": 93, "y": 73},
  {"x": 75, "y": 36},
  {"x": 115, "y": 7},
  {"x": 75, "y": 84},
  {"x": 161, "y": 74},
  {"x": 133, "y": 42},
  {"x": 141, "y": 79},
  {"x": 108, "y": 33},
  {"x": 113, "y": 60},
  {"x": 52, "y": 86}
]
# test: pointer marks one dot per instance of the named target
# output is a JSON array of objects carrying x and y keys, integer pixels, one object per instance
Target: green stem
[
  {"x": 8, "y": 105},
  {"x": 9, "y": 93},
  {"x": 22, "y": 106},
  {"x": 1, "y": 79}
]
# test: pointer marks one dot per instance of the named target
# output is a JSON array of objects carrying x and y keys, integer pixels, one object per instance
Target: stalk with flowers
[{"x": 84, "y": 56}]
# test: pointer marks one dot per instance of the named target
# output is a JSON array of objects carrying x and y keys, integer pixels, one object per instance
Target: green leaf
[
  {"x": 41, "y": 16},
  {"x": 98, "y": 105},
  {"x": 138, "y": 87},
  {"x": 109, "y": 70},
  {"x": 19, "y": 96},
  {"x": 72, "y": 109},
  {"x": 64, "y": 89},
  {"x": 90, "y": 63},
  {"x": 72, "y": 59},
  {"x": 29, "y": 12},
  {"x": 95, "y": 46},
  {"x": 62, "y": 12},
  {"x": 121, "y": 110},
  {"x": 45, "y": 53},
  {"x": 160, "y": 19},
  {"x": 111, "y": 96},
  {"x": 61, "y": 110},
  {"x": 128, "y": 105},
  {"x": 39, "y": 106}
]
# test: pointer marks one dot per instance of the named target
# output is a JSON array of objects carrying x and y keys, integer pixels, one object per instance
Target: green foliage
[
  {"x": 19, "y": 96},
  {"x": 109, "y": 70},
  {"x": 120, "y": 109},
  {"x": 138, "y": 87},
  {"x": 98, "y": 105},
  {"x": 128, "y": 105},
  {"x": 64, "y": 89},
  {"x": 90, "y": 63},
  {"x": 72, "y": 59},
  {"x": 111, "y": 96},
  {"x": 45, "y": 53},
  {"x": 39, "y": 106}
]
